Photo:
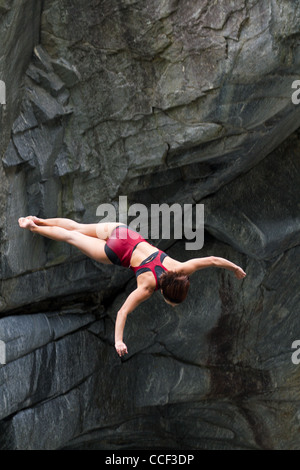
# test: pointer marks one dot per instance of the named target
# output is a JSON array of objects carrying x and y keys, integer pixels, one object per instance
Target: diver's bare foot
[
  {"x": 26, "y": 222},
  {"x": 36, "y": 220}
]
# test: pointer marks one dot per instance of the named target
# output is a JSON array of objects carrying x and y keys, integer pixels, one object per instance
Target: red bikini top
[{"x": 154, "y": 264}]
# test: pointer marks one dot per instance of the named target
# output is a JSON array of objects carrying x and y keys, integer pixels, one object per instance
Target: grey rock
[
  {"x": 45, "y": 107},
  {"x": 41, "y": 60},
  {"x": 11, "y": 157},
  {"x": 210, "y": 394},
  {"x": 49, "y": 81},
  {"x": 26, "y": 120},
  {"x": 165, "y": 102},
  {"x": 26, "y": 333},
  {"x": 25, "y": 380},
  {"x": 235, "y": 214},
  {"x": 68, "y": 73}
]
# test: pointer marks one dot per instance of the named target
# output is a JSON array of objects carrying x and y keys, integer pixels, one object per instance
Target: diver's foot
[
  {"x": 25, "y": 222},
  {"x": 36, "y": 220}
]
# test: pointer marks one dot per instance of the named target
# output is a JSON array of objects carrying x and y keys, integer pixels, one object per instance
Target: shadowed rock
[{"x": 162, "y": 102}]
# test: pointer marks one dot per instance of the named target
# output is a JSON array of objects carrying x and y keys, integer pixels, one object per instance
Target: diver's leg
[
  {"x": 68, "y": 224},
  {"x": 93, "y": 248},
  {"x": 100, "y": 230}
]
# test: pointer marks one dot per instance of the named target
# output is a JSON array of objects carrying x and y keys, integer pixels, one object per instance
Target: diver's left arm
[{"x": 195, "y": 264}]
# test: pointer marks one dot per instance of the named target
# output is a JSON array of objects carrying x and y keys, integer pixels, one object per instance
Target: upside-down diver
[{"x": 116, "y": 243}]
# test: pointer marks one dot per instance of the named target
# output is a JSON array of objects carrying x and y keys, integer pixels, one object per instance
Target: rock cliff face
[{"x": 175, "y": 102}]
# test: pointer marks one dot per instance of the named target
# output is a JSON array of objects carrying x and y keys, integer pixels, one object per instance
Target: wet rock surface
[{"x": 164, "y": 102}]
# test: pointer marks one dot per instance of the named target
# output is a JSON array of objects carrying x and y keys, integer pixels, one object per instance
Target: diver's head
[{"x": 174, "y": 287}]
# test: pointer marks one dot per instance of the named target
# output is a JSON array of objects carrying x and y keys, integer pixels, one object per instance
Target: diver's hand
[
  {"x": 239, "y": 273},
  {"x": 121, "y": 348}
]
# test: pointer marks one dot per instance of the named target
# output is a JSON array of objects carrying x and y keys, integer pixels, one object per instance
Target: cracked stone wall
[{"x": 173, "y": 101}]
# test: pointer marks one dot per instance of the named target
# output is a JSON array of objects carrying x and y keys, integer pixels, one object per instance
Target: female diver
[{"x": 116, "y": 243}]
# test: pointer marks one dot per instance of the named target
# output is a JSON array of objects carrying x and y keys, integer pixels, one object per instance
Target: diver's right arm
[{"x": 133, "y": 300}]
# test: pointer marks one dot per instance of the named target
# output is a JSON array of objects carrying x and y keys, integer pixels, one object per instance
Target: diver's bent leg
[{"x": 93, "y": 248}]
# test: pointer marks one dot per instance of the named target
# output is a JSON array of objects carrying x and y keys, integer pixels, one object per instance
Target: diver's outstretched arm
[{"x": 192, "y": 265}]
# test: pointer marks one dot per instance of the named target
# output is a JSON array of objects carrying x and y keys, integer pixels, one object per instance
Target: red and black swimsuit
[{"x": 120, "y": 246}]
